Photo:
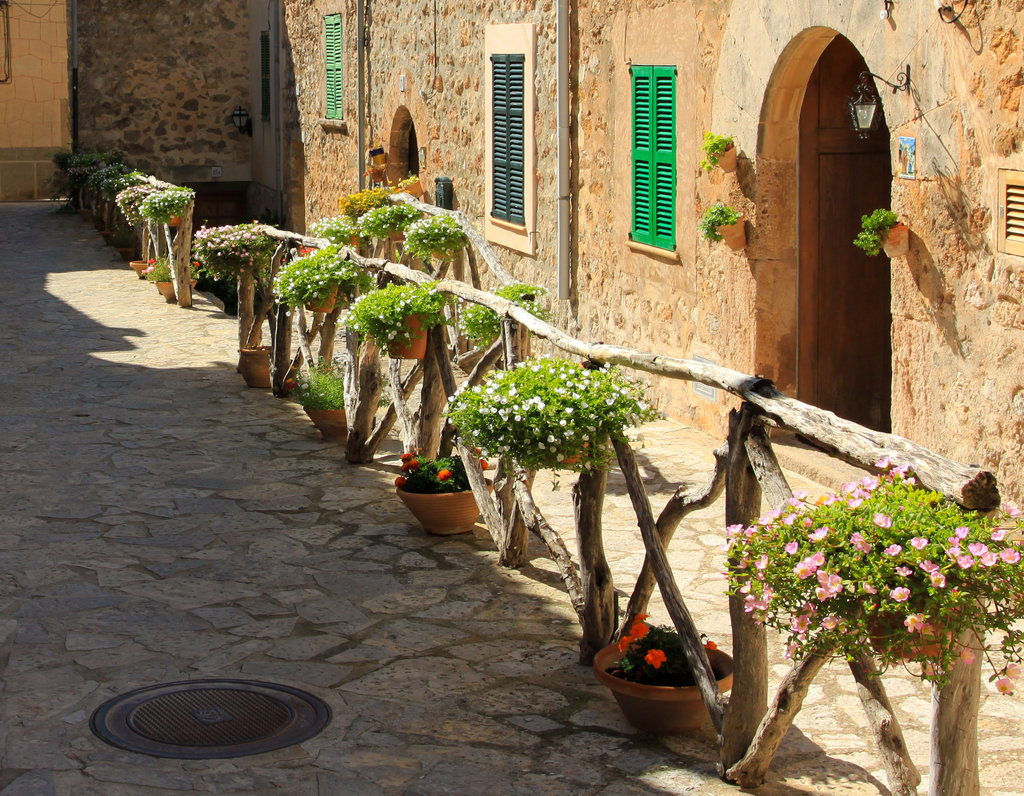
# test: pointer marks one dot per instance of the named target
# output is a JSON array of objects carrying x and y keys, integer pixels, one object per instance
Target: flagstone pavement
[{"x": 161, "y": 522}]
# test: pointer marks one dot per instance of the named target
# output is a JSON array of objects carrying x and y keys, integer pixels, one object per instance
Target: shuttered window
[
  {"x": 332, "y": 60},
  {"x": 507, "y": 137},
  {"x": 654, "y": 155},
  {"x": 1011, "y": 211},
  {"x": 264, "y": 74}
]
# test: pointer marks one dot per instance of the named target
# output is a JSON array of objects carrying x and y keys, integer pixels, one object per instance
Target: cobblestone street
[{"x": 162, "y": 522}]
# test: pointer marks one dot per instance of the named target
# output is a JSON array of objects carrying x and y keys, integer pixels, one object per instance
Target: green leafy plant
[
  {"x": 435, "y": 236},
  {"x": 382, "y": 221},
  {"x": 227, "y": 251},
  {"x": 130, "y": 200},
  {"x": 339, "y": 230},
  {"x": 713, "y": 147},
  {"x": 653, "y": 655},
  {"x": 887, "y": 568},
  {"x": 433, "y": 476},
  {"x": 113, "y": 185},
  {"x": 482, "y": 325},
  {"x": 321, "y": 387},
  {"x": 159, "y": 270},
  {"x": 122, "y": 237},
  {"x": 162, "y": 206},
  {"x": 358, "y": 204},
  {"x": 717, "y": 215},
  {"x": 550, "y": 413},
  {"x": 312, "y": 278},
  {"x": 874, "y": 229},
  {"x": 383, "y": 314}
]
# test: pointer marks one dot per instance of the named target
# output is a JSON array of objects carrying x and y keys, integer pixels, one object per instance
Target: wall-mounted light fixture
[
  {"x": 947, "y": 10},
  {"x": 865, "y": 103},
  {"x": 886, "y": 9},
  {"x": 241, "y": 120}
]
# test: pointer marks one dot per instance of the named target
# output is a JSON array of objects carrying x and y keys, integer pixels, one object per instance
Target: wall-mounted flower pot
[
  {"x": 734, "y": 235},
  {"x": 328, "y": 303},
  {"x": 897, "y": 240},
  {"x": 416, "y": 348},
  {"x": 727, "y": 160}
]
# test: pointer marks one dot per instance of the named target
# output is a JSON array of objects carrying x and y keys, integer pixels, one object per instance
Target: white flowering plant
[
  {"x": 312, "y": 278},
  {"x": 383, "y": 314},
  {"x": 162, "y": 206},
  {"x": 550, "y": 413},
  {"x": 339, "y": 230},
  {"x": 482, "y": 325},
  {"x": 321, "y": 387},
  {"x": 227, "y": 251},
  {"x": 887, "y": 568},
  {"x": 131, "y": 198},
  {"x": 438, "y": 237},
  {"x": 382, "y": 221}
]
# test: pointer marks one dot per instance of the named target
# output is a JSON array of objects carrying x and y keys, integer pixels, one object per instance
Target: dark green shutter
[
  {"x": 508, "y": 100},
  {"x": 264, "y": 74},
  {"x": 332, "y": 60},
  {"x": 654, "y": 155}
]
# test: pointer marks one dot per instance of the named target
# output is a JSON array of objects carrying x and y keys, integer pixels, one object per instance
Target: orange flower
[
  {"x": 400, "y": 481},
  {"x": 655, "y": 657},
  {"x": 408, "y": 457},
  {"x": 639, "y": 629},
  {"x": 444, "y": 475},
  {"x": 624, "y": 643},
  {"x": 410, "y": 465},
  {"x": 710, "y": 645},
  {"x": 484, "y": 465}
]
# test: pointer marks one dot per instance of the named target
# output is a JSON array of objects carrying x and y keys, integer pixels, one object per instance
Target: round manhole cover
[{"x": 198, "y": 719}]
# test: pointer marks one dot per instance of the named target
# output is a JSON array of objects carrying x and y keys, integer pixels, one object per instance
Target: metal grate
[{"x": 201, "y": 719}]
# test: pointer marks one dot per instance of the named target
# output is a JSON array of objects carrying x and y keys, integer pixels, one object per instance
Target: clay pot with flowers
[
  {"x": 159, "y": 273},
  {"x": 321, "y": 392},
  {"x": 648, "y": 674},
  {"x": 398, "y": 317},
  {"x": 438, "y": 494},
  {"x": 888, "y": 569}
]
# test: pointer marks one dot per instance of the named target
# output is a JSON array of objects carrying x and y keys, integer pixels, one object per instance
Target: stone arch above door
[{"x": 403, "y": 147}]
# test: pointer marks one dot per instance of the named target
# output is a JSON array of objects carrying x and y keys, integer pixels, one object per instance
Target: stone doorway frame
[{"x": 403, "y": 147}]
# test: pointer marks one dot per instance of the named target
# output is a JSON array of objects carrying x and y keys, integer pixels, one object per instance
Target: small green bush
[
  {"x": 875, "y": 227},
  {"x": 716, "y": 216},
  {"x": 713, "y": 147},
  {"x": 482, "y": 325}
]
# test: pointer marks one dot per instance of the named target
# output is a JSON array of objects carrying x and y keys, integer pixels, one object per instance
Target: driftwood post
[
  {"x": 595, "y": 574},
  {"x": 954, "y": 764},
  {"x": 368, "y": 394},
  {"x": 181, "y": 258}
]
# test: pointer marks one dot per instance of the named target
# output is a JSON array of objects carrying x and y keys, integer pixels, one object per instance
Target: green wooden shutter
[
  {"x": 264, "y": 74},
  {"x": 654, "y": 155},
  {"x": 332, "y": 60},
  {"x": 508, "y": 100}
]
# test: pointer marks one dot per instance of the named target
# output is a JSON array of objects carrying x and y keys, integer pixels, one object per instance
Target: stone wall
[
  {"x": 958, "y": 327},
  {"x": 33, "y": 99},
  {"x": 159, "y": 82}
]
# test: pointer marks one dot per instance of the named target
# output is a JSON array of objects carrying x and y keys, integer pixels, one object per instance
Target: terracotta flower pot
[
  {"x": 138, "y": 266},
  {"x": 332, "y": 423},
  {"x": 175, "y": 221},
  {"x": 897, "y": 241},
  {"x": 167, "y": 291},
  {"x": 727, "y": 160},
  {"x": 416, "y": 348},
  {"x": 881, "y": 632},
  {"x": 327, "y": 305},
  {"x": 734, "y": 235},
  {"x": 659, "y": 708},
  {"x": 254, "y": 365},
  {"x": 442, "y": 515}
]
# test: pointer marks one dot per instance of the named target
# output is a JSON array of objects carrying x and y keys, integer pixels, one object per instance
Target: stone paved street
[{"x": 162, "y": 522}]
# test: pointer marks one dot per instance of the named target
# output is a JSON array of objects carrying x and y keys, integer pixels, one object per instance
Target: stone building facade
[
  {"x": 34, "y": 122},
  {"x": 928, "y": 344}
]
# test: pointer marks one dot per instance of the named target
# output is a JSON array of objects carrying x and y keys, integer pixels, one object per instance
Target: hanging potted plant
[
  {"x": 388, "y": 222},
  {"x": 339, "y": 230},
  {"x": 412, "y": 186},
  {"x": 355, "y": 205},
  {"x": 889, "y": 569},
  {"x": 550, "y": 413},
  {"x": 317, "y": 280},
  {"x": 164, "y": 206},
  {"x": 398, "y": 317},
  {"x": 131, "y": 198},
  {"x": 438, "y": 494},
  {"x": 482, "y": 325},
  {"x": 719, "y": 150},
  {"x": 882, "y": 230},
  {"x": 159, "y": 273},
  {"x": 434, "y": 237},
  {"x": 651, "y": 680},
  {"x": 722, "y": 222},
  {"x": 321, "y": 391}
]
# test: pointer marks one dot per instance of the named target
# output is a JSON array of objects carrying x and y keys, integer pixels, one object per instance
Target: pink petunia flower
[
  {"x": 938, "y": 580},
  {"x": 882, "y": 521},
  {"x": 919, "y": 543},
  {"x": 904, "y": 571},
  {"x": 792, "y": 547},
  {"x": 893, "y": 550},
  {"x": 914, "y": 622},
  {"x": 1004, "y": 685},
  {"x": 1009, "y": 555},
  {"x": 977, "y": 549},
  {"x": 859, "y": 543},
  {"x": 900, "y": 594}
]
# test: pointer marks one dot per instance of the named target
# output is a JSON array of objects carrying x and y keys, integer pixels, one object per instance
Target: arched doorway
[
  {"x": 403, "y": 147},
  {"x": 844, "y": 322}
]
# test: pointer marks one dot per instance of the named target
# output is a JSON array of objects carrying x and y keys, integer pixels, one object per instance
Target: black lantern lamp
[
  {"x": 864, "y": 105},
  {"x": 240, "y": 117}
]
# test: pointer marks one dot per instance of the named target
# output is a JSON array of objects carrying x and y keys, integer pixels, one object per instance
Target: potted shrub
[
  {"x": 550, "y": 413},
  {"x": 651, "y": 680},
  {"x": 412, "y": 186},
  {"x": 887, "y": 568},
  {"x": 315, "y": 280},
  {"x": 398, "y": 317},
  {"x": 130, "y": 200},
  {"x": 357, "y": 204},
  {"x": 229, "y": 251},
  {"x": 321, "y": 391},
  {"x": 438, "y": 494},
  {"x": 722, "y": 222},
  {"x": 339, "y": 230},
  {"x": 163, "y": 206},
  {"x": 389, "y": 221},
  {"x": 882, "y": 230},
  {"x": 719, "y": 150},
  {"x": 482, "y": 325},
  {"x": 434, "y": 237},
  {"x": 122, "y": 239},
  {"x": 159, "y": 272}
]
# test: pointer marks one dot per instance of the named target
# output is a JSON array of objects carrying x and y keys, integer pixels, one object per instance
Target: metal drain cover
[{"x": 200, "y": 719}]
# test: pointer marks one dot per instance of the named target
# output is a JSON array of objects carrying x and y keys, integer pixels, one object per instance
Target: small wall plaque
[
  {"x": 704, "y": 390},
  {"x": 908, "y": 158}
]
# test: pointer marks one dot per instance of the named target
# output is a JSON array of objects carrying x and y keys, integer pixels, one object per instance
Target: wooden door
[{"x": 845, "y": 352}]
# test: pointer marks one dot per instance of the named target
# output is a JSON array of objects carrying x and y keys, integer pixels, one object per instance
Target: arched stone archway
[{"x": 403, "y": 147}]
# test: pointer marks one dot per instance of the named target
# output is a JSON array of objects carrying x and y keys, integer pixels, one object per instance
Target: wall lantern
[
  {"x": 947, "y": 10},
  {"x": 240, "y": 117},
  {"x": 864, "y": 105}
]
